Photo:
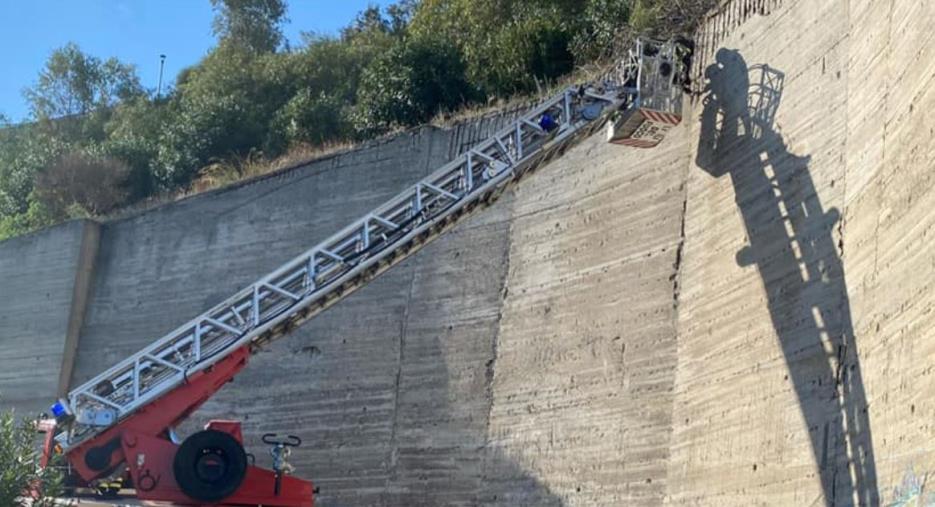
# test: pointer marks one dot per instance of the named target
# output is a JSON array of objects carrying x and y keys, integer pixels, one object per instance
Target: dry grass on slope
[{"x": 220, "y": 174}]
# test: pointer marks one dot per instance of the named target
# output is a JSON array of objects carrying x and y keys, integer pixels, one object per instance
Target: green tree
[
  {"x": 372, "y": 33},
  {"x": 73, "y": 83},
  {"x": 400, "y": 15},
  {"x": 410, "y": 83},
  {"x": 133, "y": 136},
  {"x": 75, "y": 94},
  {"x": 368, "y": 21},
  {"x": 252, "y": 25},
  {"x": 21, "y": 476},
  {"x": 312, "y": 117},
  {"x": 603, "y": 26},
  {"x": 73, "y": 100},
  {"x": 507, "y": 45},
  {"x": 224, "y": 108},
  {"x": 327, "y": 73},
  {"x": 334, "y": 66},
  {"x": 24, "y": 151}
]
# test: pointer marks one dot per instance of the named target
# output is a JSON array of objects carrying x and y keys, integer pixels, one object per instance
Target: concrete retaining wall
[{"x": 43, "y": 287}]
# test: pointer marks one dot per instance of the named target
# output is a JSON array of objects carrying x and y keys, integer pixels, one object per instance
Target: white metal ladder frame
[{"x": 326, "y": 273}]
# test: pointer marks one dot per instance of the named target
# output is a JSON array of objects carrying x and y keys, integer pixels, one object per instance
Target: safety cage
[{"x": 655, "y": 76}]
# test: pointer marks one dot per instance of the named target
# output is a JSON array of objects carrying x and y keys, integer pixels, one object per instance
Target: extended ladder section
[{"x": 331, "y": 270}]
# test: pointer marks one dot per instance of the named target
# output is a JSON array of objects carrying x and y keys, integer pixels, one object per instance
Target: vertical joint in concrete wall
[
  {"x": 393, "y": 458},
  {"x": 84, "y": 273},
  {"x": 679, "y": 251}
]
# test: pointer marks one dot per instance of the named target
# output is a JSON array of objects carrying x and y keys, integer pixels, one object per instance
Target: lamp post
[{"x": 162, "y": 64}]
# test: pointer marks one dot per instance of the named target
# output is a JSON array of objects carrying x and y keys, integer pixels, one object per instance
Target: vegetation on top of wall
[{"x": 98, "y": 140}]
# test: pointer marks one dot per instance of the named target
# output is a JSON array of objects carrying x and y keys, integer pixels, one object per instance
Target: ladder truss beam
[{"x": 332, "y": 269}]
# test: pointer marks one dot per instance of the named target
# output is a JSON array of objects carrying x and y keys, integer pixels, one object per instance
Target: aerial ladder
[{"x": 122, "y": 422}]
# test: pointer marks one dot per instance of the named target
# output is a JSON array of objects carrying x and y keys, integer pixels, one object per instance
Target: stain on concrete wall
[{"x": 911, "y": 492}]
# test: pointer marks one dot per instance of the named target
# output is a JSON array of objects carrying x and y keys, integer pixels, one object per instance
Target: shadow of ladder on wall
[{"x": 792, "y": 244}]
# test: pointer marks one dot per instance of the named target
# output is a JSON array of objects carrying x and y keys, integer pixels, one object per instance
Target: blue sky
[{"x": 135, "y": 31}]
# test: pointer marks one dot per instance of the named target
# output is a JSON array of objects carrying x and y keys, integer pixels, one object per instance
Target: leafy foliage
[
  {"x": 409, "y": 83},
  {"x": 21, "y": 477},
  {"x": 255, "y": 98},
  {"x": 251, "y": 25},
  {"x": 507, "y": 44},
  {"x": 311, "y": 117},
  {"x": 24, "y": 152},
  {"x": 602, "y": 23},
  {"x": 74, "y": 83}
]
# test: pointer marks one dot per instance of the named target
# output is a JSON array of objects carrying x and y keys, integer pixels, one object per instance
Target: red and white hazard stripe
[{"x": 660, "y": 117}]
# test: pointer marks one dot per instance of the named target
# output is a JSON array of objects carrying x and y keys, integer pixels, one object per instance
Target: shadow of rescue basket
[{"x": 656, "y": 74}]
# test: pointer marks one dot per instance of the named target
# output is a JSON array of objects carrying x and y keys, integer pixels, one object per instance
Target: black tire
[{"x": 210, "y": 465}]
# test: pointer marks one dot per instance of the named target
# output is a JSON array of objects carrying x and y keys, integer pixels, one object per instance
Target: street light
[{"x": 162, "y": 64}]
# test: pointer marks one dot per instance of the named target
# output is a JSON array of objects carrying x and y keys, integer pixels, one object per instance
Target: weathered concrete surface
[
  {"x": 805, "y": 312},
  {"x": 40, "y": 303},
  {"x": 585, "y": 363}
]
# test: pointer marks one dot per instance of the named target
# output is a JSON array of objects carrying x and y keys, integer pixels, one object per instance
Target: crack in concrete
[
  {"x": 490, "y": 367},
  {"x": 393, "y": 456},
  {"x": 677, "y": 266},
  {"x": 491, "y": 364}
]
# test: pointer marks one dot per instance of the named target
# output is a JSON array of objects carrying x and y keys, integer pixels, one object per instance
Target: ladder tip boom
[{"x": 657, "y": 74}]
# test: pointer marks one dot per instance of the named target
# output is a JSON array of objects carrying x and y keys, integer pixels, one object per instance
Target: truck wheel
[{"x": 210, "y": 465}]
